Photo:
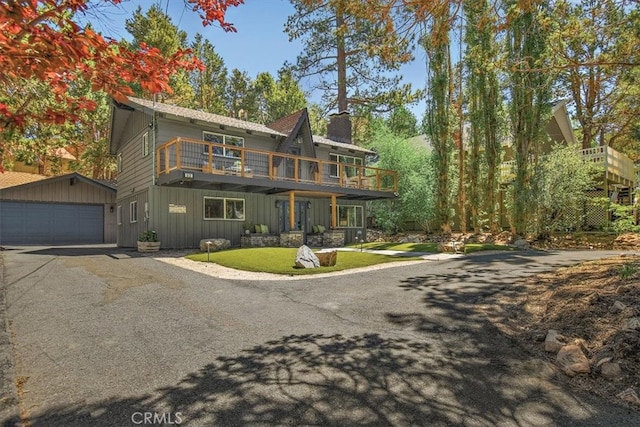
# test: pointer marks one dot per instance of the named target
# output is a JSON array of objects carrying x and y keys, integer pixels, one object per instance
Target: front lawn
[
  {"x": 431, "y": 247},
  {"x": 282, "y": 260}
]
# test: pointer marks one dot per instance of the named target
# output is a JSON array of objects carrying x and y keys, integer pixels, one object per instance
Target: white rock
[
  {"x": 629, "y": 395},
  {"x": 305, "y": 258},
  {"x": 633, "y": 323}
]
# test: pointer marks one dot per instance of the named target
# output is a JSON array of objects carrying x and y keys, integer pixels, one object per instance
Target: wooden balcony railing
[
  {"x": 617, "y": 166},
  {"x": 214, "y": 158}
]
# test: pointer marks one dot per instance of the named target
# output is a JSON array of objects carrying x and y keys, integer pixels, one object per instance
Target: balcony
[
  {"x": 618, "y": 168},
  {"x": 225, "y": 166}
]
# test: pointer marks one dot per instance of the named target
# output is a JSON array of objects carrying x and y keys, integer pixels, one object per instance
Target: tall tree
[
  {"x": 593, "y": 39},
  {"x": 155, "y": 28},
  {"x": 209, "y": 83},
  {"x": 530, "y": 93},
  {"x": 403, "y": 122},
  {"x": 239, "y": 95},
  {"x": 343, "y": 52},
  {"x": 439, "y": 110},
  {"x": 483, "y": 94}
]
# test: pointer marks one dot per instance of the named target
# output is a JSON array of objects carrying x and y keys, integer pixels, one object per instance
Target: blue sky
[{"x": 260, "y": 44}]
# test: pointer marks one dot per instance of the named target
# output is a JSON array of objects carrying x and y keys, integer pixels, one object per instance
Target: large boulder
[
  {"x": 305, "y": 258},
  {"x": 216, "y": 245},
  {"x": 327, "y": 259}
]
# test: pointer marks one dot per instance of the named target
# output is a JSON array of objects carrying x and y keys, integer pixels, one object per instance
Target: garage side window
[
  {"x": 223, "y": 208},
  {"x": 119, "y": 162},
  {"x": 145, "y": 144},
  {"x": 119, "y": 215},
  {"x": 133, "y": 212}
]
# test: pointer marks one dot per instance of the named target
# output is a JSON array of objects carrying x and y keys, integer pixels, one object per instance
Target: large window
[
  {"x": 350, "y": 216},
  {"x": 228, "y": 141},
  {"x": 350, "y": 165},
  {"x": 223, "y": 208}
]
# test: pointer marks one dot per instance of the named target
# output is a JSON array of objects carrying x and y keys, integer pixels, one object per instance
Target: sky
[{"x": 260, "y": 43}]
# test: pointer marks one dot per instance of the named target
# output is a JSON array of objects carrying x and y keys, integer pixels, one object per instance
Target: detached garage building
[{"x": 61, "y": 210}]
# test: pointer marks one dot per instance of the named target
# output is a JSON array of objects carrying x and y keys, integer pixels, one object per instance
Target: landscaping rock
[
  {"x": 610, "y": 370},
  {"x": 216, "y": 244},
  {"x": 572, "y": 360},
  {"x": 617, "y": 307},
  {"x": 633, "y": 323},
  {"x": 554, "y": 341},
  {"x": 305, "y": 258},
  {"x": 629, "y": 395},
  {"x": 327, "y": 259},
  {"x": 521, "y": 244}
]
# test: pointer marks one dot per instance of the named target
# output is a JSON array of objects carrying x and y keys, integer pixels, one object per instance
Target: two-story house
[{"x": 191, "y": 175}]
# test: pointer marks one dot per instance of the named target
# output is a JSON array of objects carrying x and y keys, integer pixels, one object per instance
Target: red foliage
[{"x": 40, "y": 40}]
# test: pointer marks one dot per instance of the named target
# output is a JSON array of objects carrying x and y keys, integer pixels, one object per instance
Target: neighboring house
[
  {"x": 56, "y": 163},
  {"x": 65, "y": 209},
  {"x": 616, "y": 182},
  {"x": 191, "y": 175}
]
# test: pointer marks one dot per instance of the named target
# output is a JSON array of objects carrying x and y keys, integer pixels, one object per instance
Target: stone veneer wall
[
  {"x": 315, "y": 240},
  {"x": 333, "y": 238},
  {"x": 255, "y": 240},
  {"x": 291, "y": 239}
]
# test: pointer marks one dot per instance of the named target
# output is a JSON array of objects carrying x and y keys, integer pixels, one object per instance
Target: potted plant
[
  {"x": 247, "y": 227},
  {"x": 148, "y": 241}
]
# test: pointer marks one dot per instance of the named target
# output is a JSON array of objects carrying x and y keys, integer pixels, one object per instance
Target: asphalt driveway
[{"x": 105, "y": 337}]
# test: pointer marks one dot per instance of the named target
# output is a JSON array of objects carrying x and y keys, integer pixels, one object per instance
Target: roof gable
[{"x": 69, "y": 176}]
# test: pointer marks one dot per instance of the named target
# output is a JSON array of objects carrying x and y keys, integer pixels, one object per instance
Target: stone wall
[
  {"x": 291, "y": 239},
  {"x": 255, "y": 240},
  {"x": 333, "y": 239},
  {"x": 315, "y": 240}
]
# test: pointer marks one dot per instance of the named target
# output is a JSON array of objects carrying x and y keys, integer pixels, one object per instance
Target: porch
[
  {"x": 203, "y": 164},
  {"x": 619, "y": 170}
]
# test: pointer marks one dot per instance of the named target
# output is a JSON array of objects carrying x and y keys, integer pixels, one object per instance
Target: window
[
  {"x": 226, "y": 140},
  {"x": 119, "y": 162},
  {"x": 347, "y": 160},
  {"x": 119, "y": 215},
  {"x": 145, "y": 144},
  {"x": 133, "y": 212},
  {"x": 350, "y": 216},
  {"x": 223, "y": 208}
]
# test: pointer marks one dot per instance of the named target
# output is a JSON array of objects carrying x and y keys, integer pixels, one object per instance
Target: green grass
[
  {"x": 282, "y": 260},
  {"x": 477, "y": 247},
  {"x": 431, "y": 247},
  {"x": 406, "y": 247}
]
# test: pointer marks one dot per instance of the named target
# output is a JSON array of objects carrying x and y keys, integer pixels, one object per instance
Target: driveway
[{"x": 105, "y": 337}]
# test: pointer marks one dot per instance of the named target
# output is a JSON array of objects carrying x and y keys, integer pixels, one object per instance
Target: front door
[{"x": 300, "y": 215}]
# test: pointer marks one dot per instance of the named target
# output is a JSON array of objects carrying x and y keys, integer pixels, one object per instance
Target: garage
[
  {"x": 50, "y": 223},
  {"x": 62, "y": 210}
]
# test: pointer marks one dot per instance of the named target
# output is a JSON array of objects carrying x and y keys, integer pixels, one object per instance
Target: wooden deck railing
[
  {"x": 617, "y": 166},
  {"x": 214, "y": 158}
]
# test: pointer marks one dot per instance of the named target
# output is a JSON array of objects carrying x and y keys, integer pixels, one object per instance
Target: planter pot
[
  {"x": 247, "y": 232},
  {"x": 148, "y": 246}
]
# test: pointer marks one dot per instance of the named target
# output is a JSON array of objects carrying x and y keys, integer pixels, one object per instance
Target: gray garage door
[{"x": 23, "y": 223}]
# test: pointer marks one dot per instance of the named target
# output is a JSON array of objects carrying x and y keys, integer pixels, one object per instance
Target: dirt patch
[{"x": 595, "y": 305}]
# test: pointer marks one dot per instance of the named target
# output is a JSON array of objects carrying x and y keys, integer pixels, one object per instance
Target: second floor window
[
  {"x": 349, "y": 165},
  {"x": 227, "y": 142}
]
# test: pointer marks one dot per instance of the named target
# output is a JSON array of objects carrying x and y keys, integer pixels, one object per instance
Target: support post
[
  {"x": 292, "y": 210},
  {"x": 334, "y": 212}
]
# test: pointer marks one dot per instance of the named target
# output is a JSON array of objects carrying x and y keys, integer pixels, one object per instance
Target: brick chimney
[{"x": 339, "y": 128}]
